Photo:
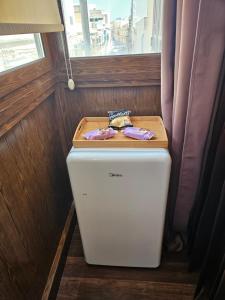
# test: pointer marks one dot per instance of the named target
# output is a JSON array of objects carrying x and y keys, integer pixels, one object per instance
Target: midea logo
[{"x": 115, "y": 175}]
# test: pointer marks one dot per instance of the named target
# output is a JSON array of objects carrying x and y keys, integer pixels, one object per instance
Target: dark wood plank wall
[
  {"x": 97, "y": 101},
  {"x": 108, "y": 71},
  {"x": 110, "y": 83},
  {"x": 35, "y": 195}
]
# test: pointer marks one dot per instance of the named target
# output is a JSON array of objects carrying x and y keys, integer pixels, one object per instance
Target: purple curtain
[{"x": 192, "y": 52}]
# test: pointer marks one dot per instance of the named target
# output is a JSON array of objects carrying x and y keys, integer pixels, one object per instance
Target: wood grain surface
[
  {"x": 81, "y": 281},
  {"x": 109, "y": 71},
  {"x": 153, "y": 123},
  {"x": 35, "y": 193},
  {"x": 94, "y": 102},
  {"x": 20, "y": 102},
  {"x": 34, "y": 202}
]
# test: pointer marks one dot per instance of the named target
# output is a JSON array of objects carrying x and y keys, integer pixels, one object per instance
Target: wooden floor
[{"x": 84, "y": 282}]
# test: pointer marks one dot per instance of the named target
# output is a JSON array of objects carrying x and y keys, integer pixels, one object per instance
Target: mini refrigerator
[{"x": 120, "y": 197}]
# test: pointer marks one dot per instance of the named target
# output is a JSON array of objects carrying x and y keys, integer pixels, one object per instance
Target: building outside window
[
  {"x": 112, "y": 27},
  {"x": 19, "y": 49}
]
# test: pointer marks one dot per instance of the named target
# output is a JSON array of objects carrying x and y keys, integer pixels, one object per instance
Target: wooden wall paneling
[
  {"x": 7, "y": 289},
  {"x": 12, "y": 80},
  {"x": 15, "y": 252},
  {"x": 19, "y": 103},
  {"x": 35, "y": 195},
  {"x": 97, "y": 102},
  {"x": 127, "y": 70},
  {"x": 55, "y": 47},
  {"x": 62, "y": 108},
  {"x": 110, "y": 83},
  {"x": 35, "y": 189},
  {"x": 11, "y": 285}
]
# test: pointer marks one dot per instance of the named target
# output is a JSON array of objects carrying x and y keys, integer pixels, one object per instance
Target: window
[
  {"x": 17, "y": 50},
  {"x": 112, "y": 27}
]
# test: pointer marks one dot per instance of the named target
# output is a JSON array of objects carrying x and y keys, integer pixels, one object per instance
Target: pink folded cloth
[
  {"x": 138, "y": 133},
  {"x": 100, "y": 134}
]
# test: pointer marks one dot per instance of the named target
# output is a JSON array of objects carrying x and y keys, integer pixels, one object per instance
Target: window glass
[
  {"x": 112, "y": 27},
  {"x": 17, "y": 50}
]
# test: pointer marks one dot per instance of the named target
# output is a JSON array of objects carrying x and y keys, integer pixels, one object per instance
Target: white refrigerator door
[{"x": 120, "y": 198}]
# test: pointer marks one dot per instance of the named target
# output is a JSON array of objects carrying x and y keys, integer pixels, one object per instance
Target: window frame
[
  {"x": 104, "y": 56},
  {"x": 23, "y": 74}
]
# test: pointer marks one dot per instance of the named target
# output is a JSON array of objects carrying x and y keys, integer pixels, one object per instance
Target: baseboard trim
[{"x": 68, "y": 228}]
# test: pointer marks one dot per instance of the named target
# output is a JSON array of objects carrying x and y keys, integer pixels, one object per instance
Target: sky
[{"x": 119, "y": 8}]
